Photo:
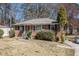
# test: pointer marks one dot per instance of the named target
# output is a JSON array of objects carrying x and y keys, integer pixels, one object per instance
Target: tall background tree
[
  {"x": 6, "y": 14},
  {"x": 37, "y": 10}
]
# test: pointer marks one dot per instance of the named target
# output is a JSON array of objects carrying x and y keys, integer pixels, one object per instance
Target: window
[
  {"x": 38, "y": 27},
  {"x": 46, "y": 26}
]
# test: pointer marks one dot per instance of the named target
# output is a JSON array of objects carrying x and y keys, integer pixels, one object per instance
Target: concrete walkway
[{"x": 73, "y": 45}]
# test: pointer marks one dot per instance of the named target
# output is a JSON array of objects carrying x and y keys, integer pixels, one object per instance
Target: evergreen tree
[
  {"x": 62, "y": 17},
  {"x": 62, "y": 20}
]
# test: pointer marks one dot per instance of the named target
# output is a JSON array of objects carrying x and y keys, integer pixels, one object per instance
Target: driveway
[{"x": 73, "y": 45}]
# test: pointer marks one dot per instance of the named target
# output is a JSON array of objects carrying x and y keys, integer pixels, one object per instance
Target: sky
[{"x": 18, "y": 11}]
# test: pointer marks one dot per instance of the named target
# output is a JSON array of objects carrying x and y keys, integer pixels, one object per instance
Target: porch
[
  {"x": 36, "y": 25},
  {"x": 20, "y": 29}
]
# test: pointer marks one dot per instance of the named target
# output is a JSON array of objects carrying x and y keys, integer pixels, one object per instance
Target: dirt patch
[{"x": 13, "y": 47}]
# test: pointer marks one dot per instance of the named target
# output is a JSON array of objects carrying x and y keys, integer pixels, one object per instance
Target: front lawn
[{"x": 11, "y": 46}]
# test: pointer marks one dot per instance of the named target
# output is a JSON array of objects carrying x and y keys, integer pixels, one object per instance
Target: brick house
[{"x": 35, "y": 25}]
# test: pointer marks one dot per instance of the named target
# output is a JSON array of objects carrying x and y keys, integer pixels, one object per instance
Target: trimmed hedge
[
  {"x": 45, "y": 35},
  {"x": 11, "y": 33},
  {"x": 1, "y": 33}
]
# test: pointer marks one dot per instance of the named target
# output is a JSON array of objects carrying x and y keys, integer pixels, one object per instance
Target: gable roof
[{"x": 37, "y": 21}]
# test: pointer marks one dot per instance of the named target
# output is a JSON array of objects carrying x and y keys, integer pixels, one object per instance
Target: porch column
[
  {"x": 24, "y": 28},
  {"x": 30, "y": 27},
  {"x": 35, "y": 27}
]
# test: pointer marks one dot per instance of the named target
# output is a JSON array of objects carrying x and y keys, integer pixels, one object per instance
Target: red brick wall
[{"x": 33, "y": 34}]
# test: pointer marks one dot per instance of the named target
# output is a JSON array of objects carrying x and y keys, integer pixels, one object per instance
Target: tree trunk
[{"x": 62, "y": 34}]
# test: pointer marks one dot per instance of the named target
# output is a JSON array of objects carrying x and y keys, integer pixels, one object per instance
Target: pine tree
[
  {"x": 62, "y": 17},
  {"x": 62, "y": 20}
]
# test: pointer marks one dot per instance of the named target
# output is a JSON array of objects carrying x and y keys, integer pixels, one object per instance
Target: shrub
[
  {"x": 11, "y": 33},
  {"x": 1, "y": 33},
  {"x": 29, "y": 34},
  {"x": 45, "y": 35}
]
